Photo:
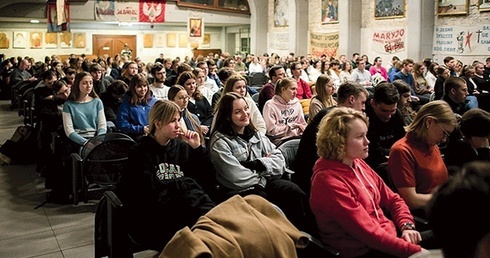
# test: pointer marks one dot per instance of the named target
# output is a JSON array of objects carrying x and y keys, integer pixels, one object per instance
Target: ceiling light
[{"x": 34, "y": 21}]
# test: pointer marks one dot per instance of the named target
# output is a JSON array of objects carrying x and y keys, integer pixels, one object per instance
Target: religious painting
[
  {"x": 195, "y": 27},
  {"x": 452, "y": 7},
  {"x": 51, "y": 40},
  {"x": 147, "y": 40},
  {"x": 4, "y": 40},
  {"x": 207, "y": 39},
  {"x": 183, "y": 40},
  {"x": 160, "y": 39},
  {"x": 330, "y": 11},
  {"x": 65, "y": 40},
  {"x": 36, "y": 39},
  {"x": 79, "y": 39},
  {"x": 171, "y": 40},
  {"x": 484, "y": 5},
  {"x": 20, "y": 39},
  {"x": 389, "y": 9},
  {"x": 280, "y": 13}
]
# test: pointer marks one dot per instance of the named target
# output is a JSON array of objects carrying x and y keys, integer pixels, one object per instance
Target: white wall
[{"x": 83, "y": 20}]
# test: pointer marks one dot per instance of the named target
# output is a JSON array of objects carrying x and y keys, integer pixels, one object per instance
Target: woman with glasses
[
  {"x": 324, "y": 95},
  {"x": 415, "y": 163}
]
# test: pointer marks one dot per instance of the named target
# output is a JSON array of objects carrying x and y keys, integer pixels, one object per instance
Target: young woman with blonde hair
[
  {"x": 349, "y": 199},
  {"x": 167, "y": 179},
  {"x": 325, "y": 89}
]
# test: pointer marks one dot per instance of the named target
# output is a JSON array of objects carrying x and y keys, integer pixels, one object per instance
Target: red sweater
[
  {"x": 348, "y": 204},
  {"x": 303, "y": 90}
]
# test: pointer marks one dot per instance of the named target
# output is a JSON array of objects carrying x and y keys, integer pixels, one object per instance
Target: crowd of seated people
[{"x": 195, "y": 118}]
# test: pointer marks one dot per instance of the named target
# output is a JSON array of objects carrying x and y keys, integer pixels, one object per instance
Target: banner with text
[
  {"x": 324, "y": 43},
  {"x": 462, "y": 40},
  {"x": 388, "y": 41},
  {"x": 127, "y": 11}
]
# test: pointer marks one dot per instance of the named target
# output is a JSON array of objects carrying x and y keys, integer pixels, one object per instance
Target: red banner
[
  {"x": 52, "y": 18},
  {"x": 152, "y": 11}
]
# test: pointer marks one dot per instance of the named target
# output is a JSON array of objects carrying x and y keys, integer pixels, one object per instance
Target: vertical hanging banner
[
  {"x": 152, "y": 11},
  {"x": 388, "y": 41},
  {"x": 105, "y": 10},
  {"x": 58, "y": 16},
  {"x": 127, "y": 11},
  {"x": 324, "y": 43}
]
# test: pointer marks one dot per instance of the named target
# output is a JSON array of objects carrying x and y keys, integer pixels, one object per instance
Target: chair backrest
[
  {"x": 255, "y": 98},
  {"x": 432, "y": 96},
  {"x": 106, "y": 154},
  {"x": 289, "y": 149},
  {"x": 258, "y": 79}
]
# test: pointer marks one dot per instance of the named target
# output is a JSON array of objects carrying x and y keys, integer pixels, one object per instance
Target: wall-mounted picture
[
  {"x": 51, "y": 40},
  {"x": 160, "y": 39},
  {"x": 20, "y": 39},
  {"x": 452, "y": 7},
  {"x": 147, "y": 40},
  {"x": 389, "y": 9},
  {"x": 484, "y": 5},
  {"x": 195, "y": 27},
  {"x": 79, "y": 40},
  {"x": 36, "y": 39},
  {"x": 280, "y": 13},
  {"x": 4, "y": 40},
  {"x": 171, "y": 40},
  {"x": 207, "y": 39},
  {"x": 330, "y": 11},
  {"x": 65, "y": 40},
  {"x": 183, "y": 40}
]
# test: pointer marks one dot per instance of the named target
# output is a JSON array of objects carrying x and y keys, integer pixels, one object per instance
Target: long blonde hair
[
  {"x": 326, "y": 99},
  {"x": 437, "y": 109}
]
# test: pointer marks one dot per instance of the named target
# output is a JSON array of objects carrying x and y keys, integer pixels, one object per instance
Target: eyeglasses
[{"x": 446, "y": 134}]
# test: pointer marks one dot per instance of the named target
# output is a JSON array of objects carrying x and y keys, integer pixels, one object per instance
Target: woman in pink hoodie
[
  {"x": 283, "y": 114},
  {"x": 349, "y": 200}
]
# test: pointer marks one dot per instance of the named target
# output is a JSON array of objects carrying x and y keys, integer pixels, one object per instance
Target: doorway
[{"x": 113, "y": 44}]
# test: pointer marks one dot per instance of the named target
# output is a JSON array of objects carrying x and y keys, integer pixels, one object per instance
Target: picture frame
[
  {"x": 280, "y": 13},
  {"x": 484, "y": 5},
  {"x": 20, "y": 39},
  {"x": 206, "y": 41},
  {"x": 5, "y": 40},
  {"x": 330, "y": 11},
  {"x": 389, "y": 9},
  {"x": 66, "y": 40},
  {"x": 183, "y": 40},
  {"x": 160, "y": 39},
  {"x": 51, "y": 40},
  {"x": 36, "y": 39},
  {"x": 148, "y": 40},
  {"x": 195, "y": 27},
  {"x": 171, "y": 40},
  {"x": 79, "y": 39},
  {"x": 452, "y": 7}
]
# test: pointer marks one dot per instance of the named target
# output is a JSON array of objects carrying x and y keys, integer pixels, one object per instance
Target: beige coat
[{"x": 238, "y": 227}]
